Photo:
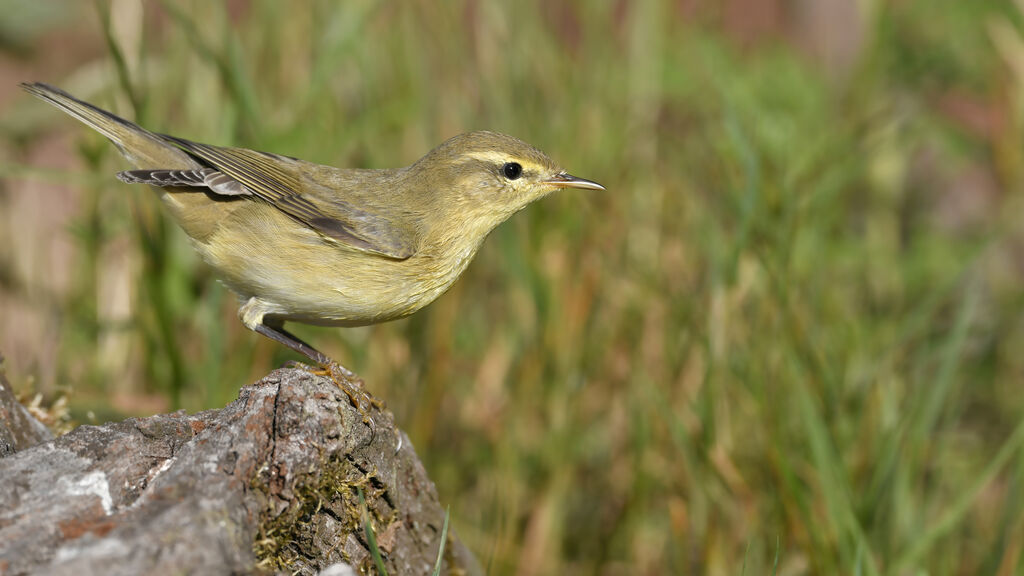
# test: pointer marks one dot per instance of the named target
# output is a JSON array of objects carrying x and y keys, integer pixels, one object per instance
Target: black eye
[{"x": 512, "y": 170}]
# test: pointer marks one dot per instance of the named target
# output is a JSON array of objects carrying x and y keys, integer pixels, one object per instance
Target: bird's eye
[{"x": 512, "y": 170}]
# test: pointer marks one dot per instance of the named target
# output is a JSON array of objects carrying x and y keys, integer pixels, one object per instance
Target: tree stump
[
  {"x": 285, "y": 479},
  {"x": 18, "y": 429}
]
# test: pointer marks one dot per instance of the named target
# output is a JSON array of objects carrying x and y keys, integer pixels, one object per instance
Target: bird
[{"x": 303, "y": 242}]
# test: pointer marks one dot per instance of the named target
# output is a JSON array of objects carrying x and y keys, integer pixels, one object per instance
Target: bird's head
[{"x": 485, "y": 177}]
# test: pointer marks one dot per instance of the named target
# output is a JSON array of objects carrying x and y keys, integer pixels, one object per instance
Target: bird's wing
[
  {"x": 238, "y": 171},
  {"x": 217, "y": 181}
]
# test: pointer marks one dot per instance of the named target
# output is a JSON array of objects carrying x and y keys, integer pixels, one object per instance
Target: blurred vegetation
[{"x": 788, "y": 338}]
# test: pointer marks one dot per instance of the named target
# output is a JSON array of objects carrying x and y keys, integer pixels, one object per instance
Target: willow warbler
[{"x": 302, "y": 242}]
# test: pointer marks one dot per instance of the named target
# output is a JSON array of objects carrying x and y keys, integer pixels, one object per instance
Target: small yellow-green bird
[{"x": 302, "y": 242}]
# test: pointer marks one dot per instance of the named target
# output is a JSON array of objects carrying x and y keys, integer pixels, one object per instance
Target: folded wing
[{"x": 266, "y": 177}]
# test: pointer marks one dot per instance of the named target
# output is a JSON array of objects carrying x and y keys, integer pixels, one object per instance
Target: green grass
[{"x": 788, "y": 338}]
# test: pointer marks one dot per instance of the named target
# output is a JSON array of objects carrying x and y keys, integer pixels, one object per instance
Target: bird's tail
[{"x": 141, "y": 147}]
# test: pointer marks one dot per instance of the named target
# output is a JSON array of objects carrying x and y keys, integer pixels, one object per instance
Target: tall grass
[{"x": 790, "y": 331}]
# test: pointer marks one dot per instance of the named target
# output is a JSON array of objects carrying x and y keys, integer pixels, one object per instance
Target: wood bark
[
  {"x": 18, "y": 429},
  {"x": 285, "y": 479}
]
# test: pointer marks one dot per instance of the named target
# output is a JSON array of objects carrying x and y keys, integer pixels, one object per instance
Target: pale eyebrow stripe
[
  {"x": 499, "y": 158},
  {"x": 487, "y": 156}
]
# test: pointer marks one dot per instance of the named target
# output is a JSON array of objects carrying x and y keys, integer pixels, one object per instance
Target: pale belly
[{"x": 297, "y": 276}]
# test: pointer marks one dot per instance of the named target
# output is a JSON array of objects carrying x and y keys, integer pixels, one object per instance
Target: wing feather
[{"x": 265, "y": 176}]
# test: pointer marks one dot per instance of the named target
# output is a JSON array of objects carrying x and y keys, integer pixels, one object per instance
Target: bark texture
[
  {"x": 284, "y": 479},
  {"x": 18, "y": 429}
]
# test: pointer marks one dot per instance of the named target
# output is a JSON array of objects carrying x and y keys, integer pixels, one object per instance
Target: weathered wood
[
  {"x": 271, "y": 482},
  {"x": 18, "y": 429}
]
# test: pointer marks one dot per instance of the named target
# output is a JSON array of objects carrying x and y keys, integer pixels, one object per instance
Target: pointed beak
[{"x": 564, "y": 180}]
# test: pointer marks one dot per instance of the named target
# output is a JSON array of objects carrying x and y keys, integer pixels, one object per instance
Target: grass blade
[{"x": 444, "y": 540}]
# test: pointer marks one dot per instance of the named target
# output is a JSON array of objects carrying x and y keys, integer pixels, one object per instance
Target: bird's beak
[{"x": 564, "y": 180}]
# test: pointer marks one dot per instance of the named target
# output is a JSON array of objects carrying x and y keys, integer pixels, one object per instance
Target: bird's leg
[
  {"x": 344, "y": 378},
  {"x": 282, "y": 336},
  {"x": 253, "y": 317}
]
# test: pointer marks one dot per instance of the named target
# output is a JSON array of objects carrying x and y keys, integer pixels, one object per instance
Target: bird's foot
[{"x": 352, "y": 385}]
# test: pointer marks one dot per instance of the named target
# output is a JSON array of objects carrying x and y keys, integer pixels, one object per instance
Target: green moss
[{"x": 290, "y": 536}]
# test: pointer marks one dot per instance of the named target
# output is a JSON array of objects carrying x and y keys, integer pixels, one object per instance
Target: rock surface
[{"x": 284, "y": 479}]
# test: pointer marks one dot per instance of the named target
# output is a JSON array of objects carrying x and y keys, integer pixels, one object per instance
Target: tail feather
[
  {"x": 106, "y": 123},
  {"x": 141, "y": 147}
]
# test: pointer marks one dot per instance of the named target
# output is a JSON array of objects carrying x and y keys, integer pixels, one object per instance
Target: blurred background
[{"x": 788, "y": 339}]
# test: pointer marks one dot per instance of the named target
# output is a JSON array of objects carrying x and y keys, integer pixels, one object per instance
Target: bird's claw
[
  {"x": 350, "y": 384},
  {"x": 353, "y": 387}
]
